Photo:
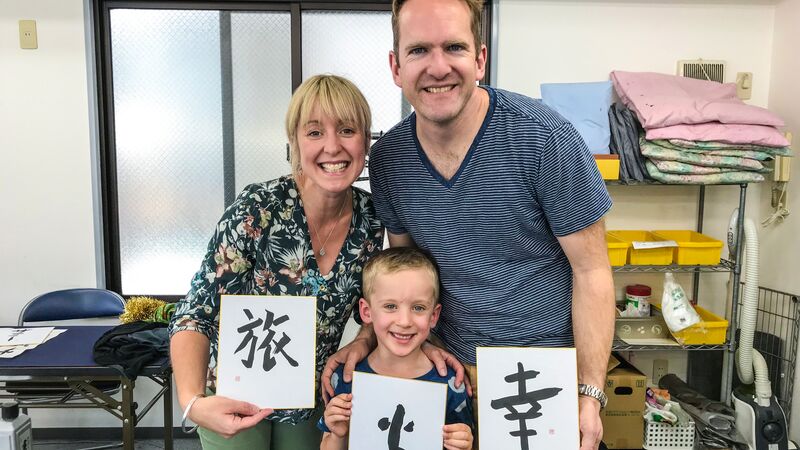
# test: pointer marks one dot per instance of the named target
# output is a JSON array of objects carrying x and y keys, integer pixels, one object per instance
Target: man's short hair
[
  {"x": 475, "y": 11},
  {"x": 337, "y": 98},
  {"x": 396, "y": 259}
]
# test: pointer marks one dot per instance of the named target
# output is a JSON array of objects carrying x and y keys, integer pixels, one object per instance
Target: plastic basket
[
  {"x": 661, "y": 256},
  {"x": 617, "y": 250},
  {"x": 662, "y": 436},
  {"x": 693, "y": 248}
]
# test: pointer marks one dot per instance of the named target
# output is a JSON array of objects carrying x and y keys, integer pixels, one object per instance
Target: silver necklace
[{"x": 330, "y": 233}]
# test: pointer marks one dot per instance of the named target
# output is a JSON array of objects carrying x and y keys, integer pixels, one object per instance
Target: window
[{"x": 192, "y": 105}]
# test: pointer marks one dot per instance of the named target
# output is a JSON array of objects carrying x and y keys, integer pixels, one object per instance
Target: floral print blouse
[{"x": 262, "y": 246}]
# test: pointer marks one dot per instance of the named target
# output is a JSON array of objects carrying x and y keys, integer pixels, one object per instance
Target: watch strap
[{"x": 595, "y": 392}]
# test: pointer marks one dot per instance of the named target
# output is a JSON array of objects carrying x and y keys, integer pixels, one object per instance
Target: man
[{"x": 504, "y": 194}]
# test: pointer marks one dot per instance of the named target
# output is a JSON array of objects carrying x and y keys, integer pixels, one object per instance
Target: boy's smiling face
[{"x": 402, "y": 310}]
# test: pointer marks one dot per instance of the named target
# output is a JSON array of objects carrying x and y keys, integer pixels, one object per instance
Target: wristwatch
[{"x": 594, "y": 392}]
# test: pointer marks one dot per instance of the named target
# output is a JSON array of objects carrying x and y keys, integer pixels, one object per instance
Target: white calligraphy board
[
  {"x": 549, "y": 381},
  {"x": 244, "y": 340},
  {"x": 376, "y": 417},
  {"x": 23, "y": 335}
]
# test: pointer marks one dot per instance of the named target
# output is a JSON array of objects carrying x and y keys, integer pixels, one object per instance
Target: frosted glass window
[
  {"x": 199, "y": 103},
  {"x": 262, "y": 88},
  {"x": 168, "y": 118},
  {"x": 356, "y": 45}
]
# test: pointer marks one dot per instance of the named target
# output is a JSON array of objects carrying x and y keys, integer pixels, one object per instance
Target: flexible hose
[
  {"x": 749, "y": 303},
  {"x": 748, "y": 358},
  {"x": 763, "y": 385}
]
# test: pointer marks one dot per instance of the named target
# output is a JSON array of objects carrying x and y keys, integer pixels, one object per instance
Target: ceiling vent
[{"x": 702, "y": 69}]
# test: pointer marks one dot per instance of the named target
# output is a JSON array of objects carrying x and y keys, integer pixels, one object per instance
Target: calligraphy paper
[
  {"x": 528, "y": 398},
  {"x": 267, "y": 350},
  {"x": 24, "y": 335},
  {"x": 396, "y": 413}
]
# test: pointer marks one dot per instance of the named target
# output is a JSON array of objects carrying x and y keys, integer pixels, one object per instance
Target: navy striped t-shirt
[{"x": 527, "y": 178}]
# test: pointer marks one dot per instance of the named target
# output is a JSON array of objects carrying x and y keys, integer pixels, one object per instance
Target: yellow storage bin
[
  {"x": 693, "y": 248},
  {"x": 608, "y": 165},
  {"x": 711, "y": 330},
  {"x": 617, "y": 250},
  {"x": 661, "y": 256}
]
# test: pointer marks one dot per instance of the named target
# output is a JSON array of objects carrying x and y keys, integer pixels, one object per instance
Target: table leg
[
  {"x": 128, "y": 414},
  {"x": 167, "y": 398}
]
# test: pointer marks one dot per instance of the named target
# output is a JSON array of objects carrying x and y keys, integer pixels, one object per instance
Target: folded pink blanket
[
  {"x": 722, "y": 132},
  {"x": 661, "y": 100}
]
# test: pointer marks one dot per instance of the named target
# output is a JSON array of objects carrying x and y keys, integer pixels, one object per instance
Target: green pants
[{"x": 268, "y": 435}]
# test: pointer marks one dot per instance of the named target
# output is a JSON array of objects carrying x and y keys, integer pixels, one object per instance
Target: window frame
[{"x": 100, "y": 12}]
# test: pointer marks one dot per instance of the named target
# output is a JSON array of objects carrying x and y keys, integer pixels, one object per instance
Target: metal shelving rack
[
  {"x": 622, "y": 346},
  {"x": 723, "y": 266},
  {"x": 733, "y": 266}
]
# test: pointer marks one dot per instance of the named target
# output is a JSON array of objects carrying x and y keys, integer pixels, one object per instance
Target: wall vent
[{"x": 702, "y": 69}]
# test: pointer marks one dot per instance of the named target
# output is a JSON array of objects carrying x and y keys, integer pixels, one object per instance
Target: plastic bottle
[
  {"x": 637, "y": 298},
  {"x": 16, "y": 432}
]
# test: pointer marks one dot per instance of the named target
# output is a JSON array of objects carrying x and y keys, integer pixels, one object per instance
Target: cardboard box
[{"x": 623, "y": 426}]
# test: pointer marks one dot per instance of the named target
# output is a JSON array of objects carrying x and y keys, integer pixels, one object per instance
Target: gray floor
[{"x": 146, "y": 444}]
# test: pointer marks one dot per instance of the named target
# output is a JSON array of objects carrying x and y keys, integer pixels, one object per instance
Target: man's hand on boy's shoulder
[
  {"x": 349, "y": 355},
  {"x": 457, "y": 436},
  {"x": 441, "y": 358}
]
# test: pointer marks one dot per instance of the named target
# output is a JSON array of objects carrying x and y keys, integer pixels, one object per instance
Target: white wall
[
  {"x": 47, "y": 236},
  {"x": 570, "y": 41},
  {"x": 47, "y": 233},
  {"x": 780, "y": 247}
]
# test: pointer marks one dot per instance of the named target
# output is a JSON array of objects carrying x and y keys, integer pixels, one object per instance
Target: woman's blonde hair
[{"x": 338, "y": 98}]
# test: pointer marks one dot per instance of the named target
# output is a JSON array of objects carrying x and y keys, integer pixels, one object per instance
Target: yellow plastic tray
[
  {"x": 617, "y": 250},
  {"x": 693, "y": 248},
  {"x": 711, "y": 330},
  {"x": 644, "y": 257}
]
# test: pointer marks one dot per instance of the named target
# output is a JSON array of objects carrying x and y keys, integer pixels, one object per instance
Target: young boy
[{"x": 401, "y": 286}]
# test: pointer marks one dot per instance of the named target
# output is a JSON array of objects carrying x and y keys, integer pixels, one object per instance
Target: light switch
[{"x": 27, "y": 34}]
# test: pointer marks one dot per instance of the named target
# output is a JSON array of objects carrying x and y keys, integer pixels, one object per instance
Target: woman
[{"x": 305, "y": 234}]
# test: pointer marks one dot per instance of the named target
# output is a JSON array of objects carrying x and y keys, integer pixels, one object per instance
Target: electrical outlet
[
  {"x": 660, "y": 368},
  {"x": 27, "y": 34}
]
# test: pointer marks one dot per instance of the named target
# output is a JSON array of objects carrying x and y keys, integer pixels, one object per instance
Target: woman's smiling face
[{"x": 332, "y": 153}]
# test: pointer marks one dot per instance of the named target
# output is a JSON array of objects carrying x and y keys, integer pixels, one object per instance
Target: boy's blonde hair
[
  {"x": 338, "y": 98},
  {"x": 475, "y": 11},
  {"x": 396, "y": 259}
]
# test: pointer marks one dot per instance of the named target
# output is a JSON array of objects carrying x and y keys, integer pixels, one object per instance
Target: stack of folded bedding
[{"x": 699, "y": 132}]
